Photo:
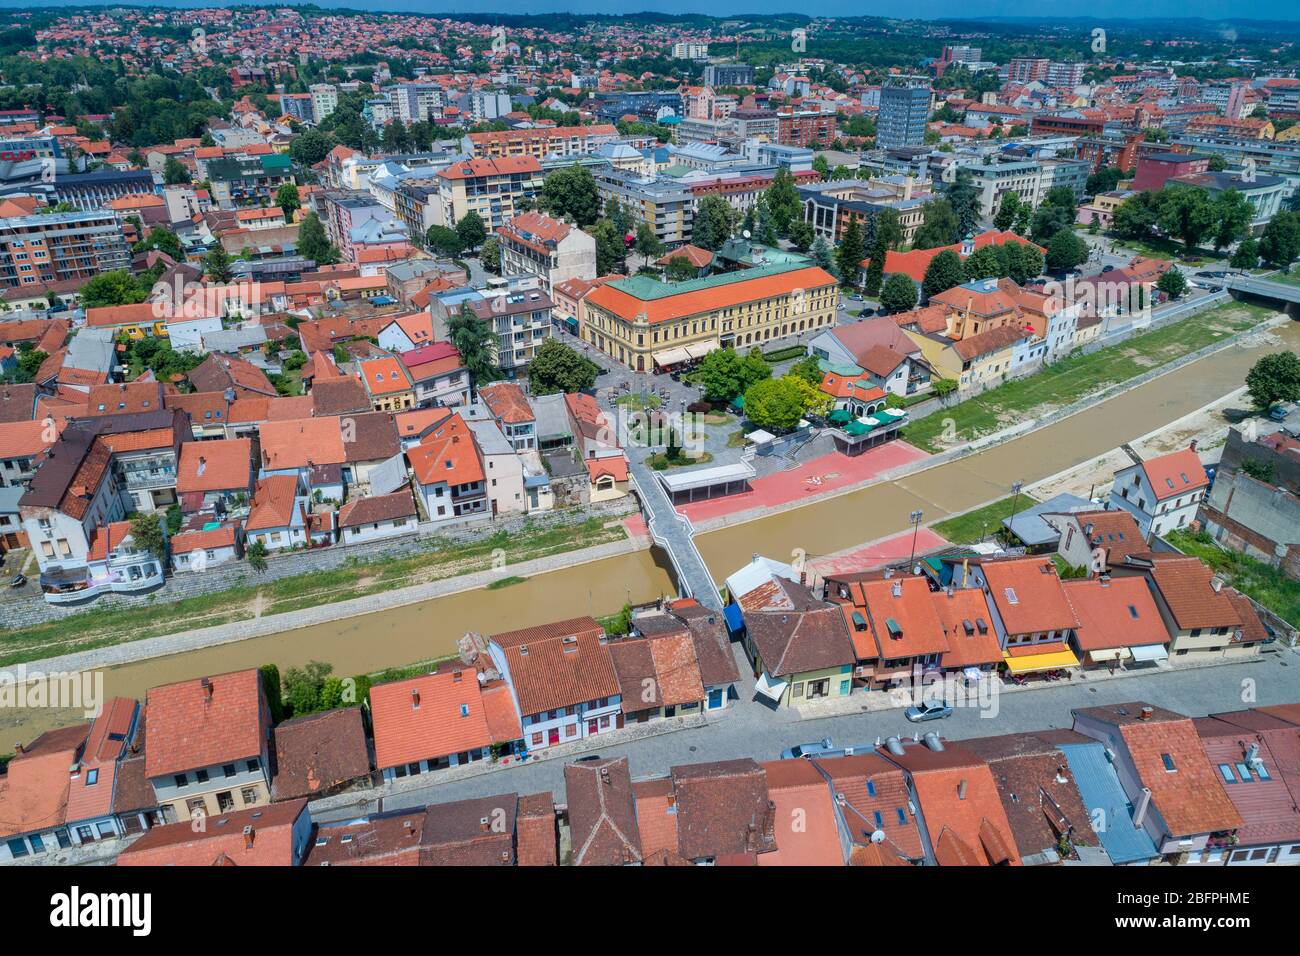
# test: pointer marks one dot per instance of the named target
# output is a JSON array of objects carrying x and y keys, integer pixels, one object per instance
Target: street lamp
[
  {"x": 1015, "y": 501},
  {"x": 915, "y": 518}
]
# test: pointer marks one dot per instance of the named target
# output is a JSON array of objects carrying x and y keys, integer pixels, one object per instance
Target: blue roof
[
  {"x": 1101, "y": 791},
  {"x": 735, "y": 620}
]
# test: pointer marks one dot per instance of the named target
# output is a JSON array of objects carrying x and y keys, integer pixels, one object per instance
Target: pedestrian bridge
[
  {"x": 1264, "y": 288},
  {"x": 673, "y": 532}
]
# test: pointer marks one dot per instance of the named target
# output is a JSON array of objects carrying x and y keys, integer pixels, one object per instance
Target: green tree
[
  {"x": 302, "y": 687},
  {"x": 724, "y": 374},
  {"x": 571, "y": 192},
  {"x": 471, "y": 231},
  {"x": 147, "y": 534},
  {"x": 1230, "y": 214},
  {"x": 476, "y": 343},
  {"x": 611, "y": 248},
  {"x": 898, "y": 293},
  {"x": 647, "y": 245},
  {"x": 489, "y": 255},
  {"x": 286, "y": 197},
  {"x": 776, "y": 404},
  {"x": 1065, "y": 251},
  {"x": 272, "y": 686},
  {"x": 943, "y": 273},
  {"x": 1005, "y": 217},
  {"x": 310, "y": 147},
  {"x": 808, "y": 369},
  {"x": 117, "y": 287},
  {"x": 939, "y": 227},
  {"x": 444, "y": 241},
  {"x": 801, "y": 235},
  {"x": 1246, "y": 255},
  {"x": 217, "y": 264},
  {"x": 943, "y": 387},
  {"x": 1137, "y": 216},
  {"x": 680, "y": 269},
  {"x": 821, "y": 253},
  {"x": 875, "y": 274},
  {"x": 174, "y": 172},
  {"x": 558, "y": 368},
  {"x": 1279, "y": 244},
  {"x": 313, "y": 243},
  {"x": 164, "y": 240},
  {"x": 983, "y": 263},
  {"x": 1103, "y": 180},
  {"x": 1274, "y": 378},
  {"x": 782, "y": 201},
  {"x": 256, "y": 555},
  {"x": 1049, "y": 220},
  {"x": 964, "y": 200},
  {"x": 1186, "y": 214},
  {"x": 821, "y": 167},
  {"x": 1172, "y": 284},
  {"x": 715, "y": 220},
  {"x": 849, "y": 255}
]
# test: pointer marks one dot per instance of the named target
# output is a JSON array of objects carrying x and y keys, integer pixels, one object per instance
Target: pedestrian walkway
[{"x": 673, "y": 532}]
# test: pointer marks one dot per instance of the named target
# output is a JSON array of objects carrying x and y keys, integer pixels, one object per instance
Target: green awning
[{"x": 841, "y": 415}]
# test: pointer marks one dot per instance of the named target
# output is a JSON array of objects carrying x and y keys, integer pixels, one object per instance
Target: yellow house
[
  {"x": 608, "y": 476},
  {"x": 799, "y": 645},
  {"x": 137, "y": 321},
  {"x": 646, "y": 323},
  {"x": 976, "y": 362}
]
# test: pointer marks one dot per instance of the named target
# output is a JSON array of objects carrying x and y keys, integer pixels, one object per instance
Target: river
[{"x": 430, "y": 629}]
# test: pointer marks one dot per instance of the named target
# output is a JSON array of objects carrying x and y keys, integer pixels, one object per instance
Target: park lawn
[
  {"x": 1076, "y": 377},
  {"x": 983, "y": 522},
  {"x": 639, "y": 402},
  {"x": 1263, "y": 582},
  {"x": 661, "y": 462},
  {"x": 1290, "y": 278},
  {"x": 1160, "y": 248},
  {"x": 442, "y": 558}
]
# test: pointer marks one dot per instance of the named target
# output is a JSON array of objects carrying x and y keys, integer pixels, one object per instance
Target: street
[{"x": 753, "y": 730}]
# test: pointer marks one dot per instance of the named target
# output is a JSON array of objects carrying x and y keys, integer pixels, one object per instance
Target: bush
[{"x": 700, "y": 408}]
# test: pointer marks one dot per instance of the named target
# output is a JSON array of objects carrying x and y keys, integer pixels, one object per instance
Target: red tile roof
[
  {"x": 224, "y": 842},
  {"x": 429, "y": 716},
  {"x": 1027, "y": 594},
  {"x": 205, "y": 722},
  {"x": 1118, "y": 612},
  {"x": 215, "y": 466},
  {"x": 1175, "y": 474},
  {"x": 558, "y": 665}
]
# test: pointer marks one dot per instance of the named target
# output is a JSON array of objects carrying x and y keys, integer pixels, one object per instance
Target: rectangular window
[
  {"x": 1168, "y": 761},
  {"x": 1226, "y": 772},
  {"x": 254, "y": 765},
  {"x": 181, "y": 779}
]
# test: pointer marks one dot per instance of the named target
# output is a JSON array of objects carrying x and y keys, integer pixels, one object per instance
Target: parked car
[
  {"x": 928, "y": 710},
  {"x": 807, "y": 750},
  {"x": 1107, "y": 268},
  {"x": 18, "y": 581},
  {"x": 856, "y": 297},
  {"x": 1279, "y": 412}
]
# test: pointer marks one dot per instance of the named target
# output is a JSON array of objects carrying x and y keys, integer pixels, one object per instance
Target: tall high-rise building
[
  {"x": 904, "y": 108},
  {"x": 1026, "y": 69}
]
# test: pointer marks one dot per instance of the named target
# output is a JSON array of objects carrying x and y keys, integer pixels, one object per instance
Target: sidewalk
[
  {"x": 370, "y": 799},
  {"x": 897, "y": 698}
]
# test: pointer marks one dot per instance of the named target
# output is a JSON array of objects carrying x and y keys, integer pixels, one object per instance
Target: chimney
[
  {"x": 1143, "y": 804},
  {"x": 1192, "y": 445},
  {"x": 961, "y": 789},
  {"x": 1147, "y": 713},
  {"x": 18, "y": 749},
  {"x": 604, "y": 776},
  {"x": 206, "y": 684},
  {"x": 897, "y": 589},
  {"x": 415, "y": 698},
  {"x": 249, "y": 836},
  {"x": 483, "y": 824}
]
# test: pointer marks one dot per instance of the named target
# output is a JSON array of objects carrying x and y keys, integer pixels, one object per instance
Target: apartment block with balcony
[
  {"x": 493, "y": 188},
  {"x": 60, "y": 247},
  {"x": 522, "y": 322},
  {"x": 535, "y": 244}
]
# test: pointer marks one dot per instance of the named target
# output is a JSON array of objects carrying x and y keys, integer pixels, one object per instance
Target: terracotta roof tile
[{"x": 206, "y": 722}]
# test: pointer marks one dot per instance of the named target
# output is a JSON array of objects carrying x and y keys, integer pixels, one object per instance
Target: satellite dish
[
  {"x": 877, "y": 836},
  {"x": 745, "y": 233}
]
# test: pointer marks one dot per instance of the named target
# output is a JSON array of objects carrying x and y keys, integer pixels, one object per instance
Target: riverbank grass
[
  {"x": 438, "y": 560},
  {"x": 1078, "y": 376},
  {"x": 982, "y": 523},
  {"x": 1263, "y": 582}
]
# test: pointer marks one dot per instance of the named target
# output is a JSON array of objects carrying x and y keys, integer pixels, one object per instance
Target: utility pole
[{"x": 915, "y": 518}]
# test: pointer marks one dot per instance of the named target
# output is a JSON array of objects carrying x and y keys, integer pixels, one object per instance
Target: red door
[
  {"x": 553, "y": 736},
  {"x": 593, "y": 726}
]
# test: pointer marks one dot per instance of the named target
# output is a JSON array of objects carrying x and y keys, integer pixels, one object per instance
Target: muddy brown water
[{"x": 430, "y": 629}]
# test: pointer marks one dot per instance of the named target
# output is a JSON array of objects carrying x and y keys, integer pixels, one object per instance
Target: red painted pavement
[{"x": 810, "y": 480}]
